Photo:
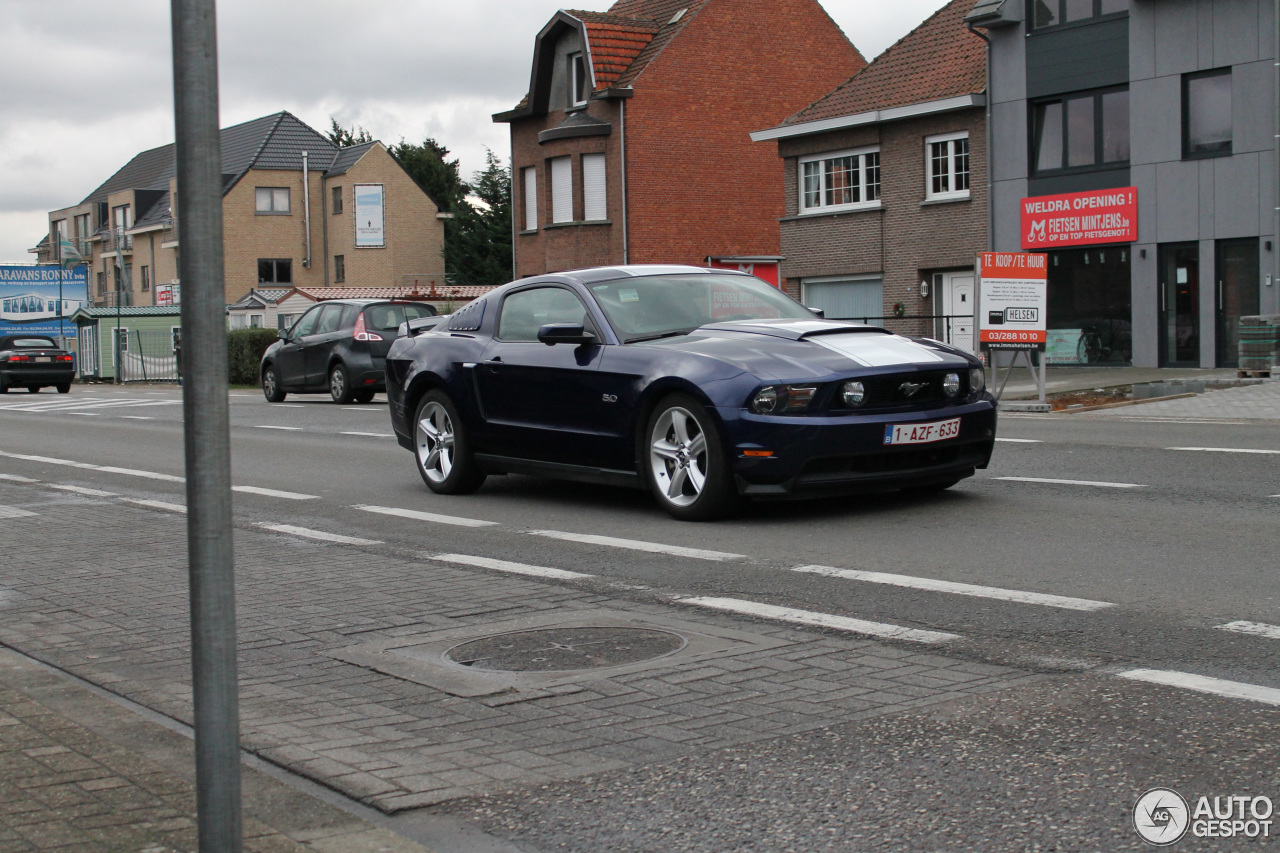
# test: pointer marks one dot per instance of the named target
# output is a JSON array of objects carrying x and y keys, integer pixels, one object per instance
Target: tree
[
  {"x": 477, "y": 247},
  {"x": 427, "y": 165},
  {"x": 344, "y": 138}
]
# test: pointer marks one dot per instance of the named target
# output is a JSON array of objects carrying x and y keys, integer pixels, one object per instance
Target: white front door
[{"x": 957, "y": 305}]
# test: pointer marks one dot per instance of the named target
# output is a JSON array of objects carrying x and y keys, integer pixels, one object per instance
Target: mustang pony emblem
[{"x": 909, "y": 389}]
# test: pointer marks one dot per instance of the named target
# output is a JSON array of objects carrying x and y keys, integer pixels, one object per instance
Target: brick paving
[
  {"x": 114, "y": 611},
  {"x": 1248, "y": 402}
]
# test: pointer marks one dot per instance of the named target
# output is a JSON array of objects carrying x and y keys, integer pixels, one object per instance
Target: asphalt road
[{"x": 1089, "y": 547}]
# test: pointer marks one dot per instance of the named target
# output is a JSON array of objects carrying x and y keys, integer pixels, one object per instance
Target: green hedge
[{"x": 244, "y": 353}]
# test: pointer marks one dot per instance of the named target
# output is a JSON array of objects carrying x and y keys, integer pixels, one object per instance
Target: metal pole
[{"x": 207, "y": 427}]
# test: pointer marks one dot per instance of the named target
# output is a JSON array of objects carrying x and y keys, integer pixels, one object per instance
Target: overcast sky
[{"x": 89, "y": 84}]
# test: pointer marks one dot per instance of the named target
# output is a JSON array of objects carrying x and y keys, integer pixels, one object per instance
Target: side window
[
  {"x": 330, "y": 320},
  {"x": 307, "y": 324},
  {"x": 524, "y": 312}
]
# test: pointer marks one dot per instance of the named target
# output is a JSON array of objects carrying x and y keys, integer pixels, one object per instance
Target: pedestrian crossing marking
[{"x": 64, "y": 405}]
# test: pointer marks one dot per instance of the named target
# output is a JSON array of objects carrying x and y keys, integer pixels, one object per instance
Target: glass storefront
[{"x": 1090, "y": 316}]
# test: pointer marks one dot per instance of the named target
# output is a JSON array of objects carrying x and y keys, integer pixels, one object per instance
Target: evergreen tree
[
  {"x": 427, "y": 165},
  {"x": 478, "y": 238},
  {"x": 344, "y": 138}
]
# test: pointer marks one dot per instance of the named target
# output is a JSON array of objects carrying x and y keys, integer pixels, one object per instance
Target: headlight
[
  {"x": 765, "y": 400},
  {"x": 951, "y": 384},
  {"x": 853, "y": 394},
  {"x": 977, "y": 380}
]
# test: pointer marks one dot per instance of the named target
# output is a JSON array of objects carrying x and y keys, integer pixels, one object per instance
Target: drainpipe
[
  {"x": 626, "y": 249},
  {"x": 306, "y": 209},
  {"x": 324, "y": 224},
  {"x": 991, "y": 202}
]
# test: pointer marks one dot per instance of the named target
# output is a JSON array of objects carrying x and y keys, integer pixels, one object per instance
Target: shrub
[{"x": 244, "y": 354}]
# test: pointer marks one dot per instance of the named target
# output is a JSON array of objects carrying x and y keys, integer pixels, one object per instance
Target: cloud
[{"x": 89, "y": 84}]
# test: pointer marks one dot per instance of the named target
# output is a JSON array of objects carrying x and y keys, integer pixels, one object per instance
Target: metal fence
[{"x": 147, "y": 357}]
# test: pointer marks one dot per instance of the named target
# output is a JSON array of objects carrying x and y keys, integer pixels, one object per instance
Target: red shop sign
[{"x": 1080, "y": 219}]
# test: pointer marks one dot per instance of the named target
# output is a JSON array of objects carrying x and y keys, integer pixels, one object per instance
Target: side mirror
[
  {"x": 818, "y": 311},
  {"x": 564, "y": 333},
  {"x": 282, "y": 334}
]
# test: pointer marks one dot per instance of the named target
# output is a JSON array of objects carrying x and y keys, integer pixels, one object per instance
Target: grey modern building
[{"x": 1135, "y": 142}]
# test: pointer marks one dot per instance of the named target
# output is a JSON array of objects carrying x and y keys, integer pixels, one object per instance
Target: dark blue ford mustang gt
[{"x": 705, "y": 386}]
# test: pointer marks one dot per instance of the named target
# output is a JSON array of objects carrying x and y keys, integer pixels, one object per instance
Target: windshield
[
  {"x": 388, "y": 317},
  {"x": 653, "y": 306}
]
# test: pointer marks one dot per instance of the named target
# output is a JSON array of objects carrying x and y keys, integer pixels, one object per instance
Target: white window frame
[
  {"x": 595, "y": 196},
  {"x": 574, "y": 81},
  {"x": 530, "y": 198},
  {"x": 561, "y": 169},
  {"x": 822, "y": 206},
  {"x": 951, "y": 174},
  {"x": 121, "y": 334}
]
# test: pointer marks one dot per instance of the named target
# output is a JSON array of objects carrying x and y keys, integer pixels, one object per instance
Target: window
[
  {"x": 121, "y": 221},
  {"x": 119, "y": 342},
  {"x": 1051, "y": 13},
  {"x": 594, "y": 207},
  {"x": 843, "y": 181},
  {"x": 146, "y": 278},
  {"x": 337, "y": 200},
  {"x": 530, "y": 198},
  {"x": 339, "y": 268},
  {"x": 307, "y": 323},
  {"x": 83, "y": 230},
  {"x": 1206, "y": 114},
  {"x": 1081, "y": 131},
  {"x": 275, "y": 271},
  {"x": 525, "y": 311},
  {"x": 235, "y": 322},
  {"x": 948, "y": 166},
  {"x": 562, "y": 189},
  {"x": 579, "y": 82},
  {"x": 102, "y": 283},
  {"x": 255, "y": 321},
  {"x": 272, "y": 200}
]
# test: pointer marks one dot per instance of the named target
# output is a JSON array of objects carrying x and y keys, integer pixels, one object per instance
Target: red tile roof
[
  {"x": 938, "y": 59},
  {"x": 434, "y": 292},
  {"x": 615, "y": 43}
]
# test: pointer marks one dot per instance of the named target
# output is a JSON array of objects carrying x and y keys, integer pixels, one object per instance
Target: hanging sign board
[
  {"x": 370, "y": 233},
  {"x": 1012, "y": 300}
]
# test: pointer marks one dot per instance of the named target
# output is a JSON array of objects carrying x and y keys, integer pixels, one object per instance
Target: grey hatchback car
[{"x": 339, "y": 346}]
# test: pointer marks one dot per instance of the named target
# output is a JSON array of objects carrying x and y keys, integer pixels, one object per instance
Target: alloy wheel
[
  {"x": 435, "y": 440},
  {"x": 678, "y": 456}
]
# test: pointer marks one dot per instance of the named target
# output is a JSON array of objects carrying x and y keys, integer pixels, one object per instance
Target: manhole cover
[{"x": 555, "y": 650}]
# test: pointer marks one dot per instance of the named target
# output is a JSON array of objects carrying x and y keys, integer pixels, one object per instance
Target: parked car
[
  {"x": 34, "y": 362},
  {"x": 339, "y": 346},
  {"x": 705, "y": 386}
]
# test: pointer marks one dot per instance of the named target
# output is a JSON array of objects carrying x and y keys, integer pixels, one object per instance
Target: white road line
[
  {"x": 638, "y": 545},
  {"x": 289, "y": 405},
  {"x": 1073, "y": 482},
  {"x": 265, "y": 426},
  {"x": 14, "y": 478},
  {"x": 822, "y": 620},
  {"x": 513, "y": 568},
  {"x": 426, "y": 516},
  {"x": 47, "y": 459},
  {"x": 81, "y": 490},
  {"x": 359, "y": 409},
  {"x": 308, "y": 533},
  {"x": 1155, "y": 420},
  {"x": 14, "y": 512},
  {"x": 133, "y": 472},
  {"x": 241, "y": 395},
  {"x": 84, "y": 414},
  {"x": 370, "y": 434},
  {"x": 1022, "y": 440},
  {"x": 1227, "y": 450},
  {"x": 1205, "y": 684},
  {"x": 168, "y": 507},
  {"x": 138, "y": 417},
  {"x": 933, "y": 585},
  {"x": 1257, "y": 628},
  {"x": 274, "y": 493}
]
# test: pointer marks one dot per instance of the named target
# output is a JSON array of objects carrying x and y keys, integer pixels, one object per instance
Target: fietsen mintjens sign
[
  {"x": 1080, "y": 219},
  {"x": 1012, "y": 300}
]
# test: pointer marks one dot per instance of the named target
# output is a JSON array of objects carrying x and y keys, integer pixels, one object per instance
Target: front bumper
[{"x": 815, "y": 455}]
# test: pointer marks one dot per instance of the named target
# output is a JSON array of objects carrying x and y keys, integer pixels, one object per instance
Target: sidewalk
[
  {"x": 81, "y": 773},
  {"x": 1022, "y": 386}
]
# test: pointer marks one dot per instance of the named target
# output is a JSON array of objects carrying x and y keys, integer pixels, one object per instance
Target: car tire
[
  {"x": 364, "y": 395},
  {"x": 685, "y": 462},
  {"x": 442, "y": 448},
  {"x": 63, "y": 387},
  {"x": 340, "y": 385},
  {"x": 4, "y": 389},
  {"x": 271, "y": 387}
]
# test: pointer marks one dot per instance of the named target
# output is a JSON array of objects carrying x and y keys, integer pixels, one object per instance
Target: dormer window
[{"x": 579, "y": 82}]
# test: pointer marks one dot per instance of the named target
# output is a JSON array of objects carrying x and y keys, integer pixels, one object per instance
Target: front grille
[
  {"x": 891, "y": 461},
  {"x": 890, "y": 391}
]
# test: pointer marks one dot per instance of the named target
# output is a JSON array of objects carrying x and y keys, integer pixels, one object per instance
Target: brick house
[
  {"x": 885, "y": 184},
  {"x": 632, "y": 144},
  {"x": 290, "y": 198}
]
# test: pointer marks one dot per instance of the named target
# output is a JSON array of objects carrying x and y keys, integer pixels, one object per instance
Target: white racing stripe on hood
[{"x": 876, "y": 350}]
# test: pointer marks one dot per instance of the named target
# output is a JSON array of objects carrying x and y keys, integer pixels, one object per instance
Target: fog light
[
  {"x": 977, "y": 380},
  {"x": 765, "y": 400},
  {"x": 951, "y": 384},
  {"x": 853, "y": 393}
]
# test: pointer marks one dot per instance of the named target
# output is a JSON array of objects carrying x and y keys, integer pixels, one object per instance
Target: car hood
[{"x": 801, "y": 350}]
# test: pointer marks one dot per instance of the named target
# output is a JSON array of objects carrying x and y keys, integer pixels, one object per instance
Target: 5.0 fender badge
[{"x": 610, "y": 398}]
